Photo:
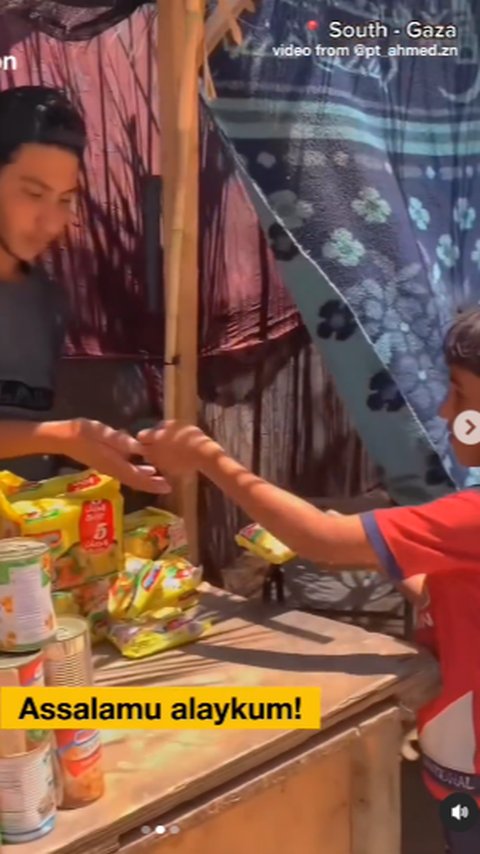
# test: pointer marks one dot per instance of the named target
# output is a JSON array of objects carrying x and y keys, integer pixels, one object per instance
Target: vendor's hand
[
  {"x": 109, "y": 451},
  {"x": 173, "y": 448}
]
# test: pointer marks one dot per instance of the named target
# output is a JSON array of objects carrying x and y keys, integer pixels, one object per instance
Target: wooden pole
[
  {"x": 182, "y": 46},
  {"x": 171, "y": 27},
  {"x": 180, "y": 171}
]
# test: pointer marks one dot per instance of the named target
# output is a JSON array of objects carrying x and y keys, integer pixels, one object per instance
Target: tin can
[
  {"x": 27, "y": 618},
  {"x": 68, "y": 658},
  {"x": 28, "y": 668},
  {"x": 24, "y": 671},
  {"x": 80, "y": 767},
  {"x": 27, "y": 795}
]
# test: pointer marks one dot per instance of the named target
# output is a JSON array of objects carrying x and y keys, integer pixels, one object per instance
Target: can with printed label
[
  {"x": 79, "y": 760},
  {"x": 21, "y": 671},
  {"x": 27, "y": 618},
  {"x": 27, "y": 795}
]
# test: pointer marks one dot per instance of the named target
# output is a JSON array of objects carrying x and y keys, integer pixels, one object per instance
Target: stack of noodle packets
[
  {"x": 259, "y": 542},
  {"x": 153, "y": 606},
  {"x": 129, "y": 577},
  {"x": 80, "y": 517},
  {"x": 146, "y": 586}
]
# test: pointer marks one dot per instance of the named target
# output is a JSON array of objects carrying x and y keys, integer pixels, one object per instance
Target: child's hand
[
  {"x": 174, "y": 449},
  {"x": 109, "y": 451}
]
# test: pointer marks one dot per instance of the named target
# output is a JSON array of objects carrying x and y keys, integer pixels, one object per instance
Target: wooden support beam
[
  {"x": 171, "y": 37},
  {"x": 183, "y": 43},
  {"x": 180, "y": 38}
]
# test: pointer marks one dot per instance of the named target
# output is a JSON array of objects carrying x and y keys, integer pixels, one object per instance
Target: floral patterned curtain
[{"x": 364, "y": 172}]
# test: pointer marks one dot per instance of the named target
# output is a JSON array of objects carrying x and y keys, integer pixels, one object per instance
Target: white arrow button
[{"x": 466, "y": 427}]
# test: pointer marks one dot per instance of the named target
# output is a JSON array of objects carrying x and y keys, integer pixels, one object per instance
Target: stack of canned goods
[
  {"x": 68, "y": 662},
  {"x": 39, "y": 772},
  {"x": 27, "y": 624}
]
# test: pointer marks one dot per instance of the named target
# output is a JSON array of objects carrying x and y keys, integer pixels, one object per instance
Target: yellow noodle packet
[
  {"x": 169, "y": 630},
  {"x": 52, "y": 520},
  {"x": 151, "y": 533},
  {"x": 10, "y": 483},
  {"x": 259, "y": 542},
  {"x": 145, "y": 586},
  {"x": 80, "y": 517},
  {"x": 90, "y": 601}
]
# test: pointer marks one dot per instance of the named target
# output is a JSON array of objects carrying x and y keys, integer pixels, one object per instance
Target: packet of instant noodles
[
  {"x": 10, "y": 483},
  {"x": 145, "y": 586},
  {"x": 169, "y": 629},
  {"x": 79, "y": 516},
  {"x": 65, "y": 605},
  {"x": 259, "y": 542},
  {"x": 90, "y": 601},
  {"x": 151, "y": 533}
]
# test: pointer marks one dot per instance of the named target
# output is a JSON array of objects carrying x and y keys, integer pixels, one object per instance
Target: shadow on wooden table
[{"x": 304, "y": 644}]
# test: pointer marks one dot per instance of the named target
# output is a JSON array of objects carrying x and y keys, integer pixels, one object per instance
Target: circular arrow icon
[{"x": 466, "y": 427}]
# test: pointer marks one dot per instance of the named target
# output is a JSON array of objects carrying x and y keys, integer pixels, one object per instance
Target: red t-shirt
[{"x": 442, "y": 541}]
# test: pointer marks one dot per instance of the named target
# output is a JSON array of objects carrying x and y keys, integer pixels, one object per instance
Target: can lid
[
  {"x": 17, "y": 659},
  {"x": 19, "y": 548},
  {"x": 70, "y": 627}
]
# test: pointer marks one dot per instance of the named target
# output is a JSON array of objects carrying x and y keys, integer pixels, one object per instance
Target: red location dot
[{"x": 312, "y": 26}]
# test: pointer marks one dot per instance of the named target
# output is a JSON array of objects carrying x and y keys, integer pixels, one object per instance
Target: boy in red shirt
[{"x": 434, "y": 548}]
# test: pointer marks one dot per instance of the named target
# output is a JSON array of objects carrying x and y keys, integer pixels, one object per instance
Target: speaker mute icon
[{"x": 459, "y": 812}]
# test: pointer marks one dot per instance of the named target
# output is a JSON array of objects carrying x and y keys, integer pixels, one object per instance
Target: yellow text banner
[{"x": 160, "y": 708}]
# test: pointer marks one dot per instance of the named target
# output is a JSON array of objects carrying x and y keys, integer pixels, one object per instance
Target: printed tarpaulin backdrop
[{"x": 365, "y": 174}]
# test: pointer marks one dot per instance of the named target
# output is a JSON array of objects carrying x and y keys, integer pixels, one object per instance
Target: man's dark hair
[
  {"x": 462, "y": 343},
  {"x": 39, "y": 114}
]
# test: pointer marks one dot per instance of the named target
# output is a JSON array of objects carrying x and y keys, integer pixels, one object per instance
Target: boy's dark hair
[
  {"x": 39, "y": 114},
  {"x": 462, "y": 344}
]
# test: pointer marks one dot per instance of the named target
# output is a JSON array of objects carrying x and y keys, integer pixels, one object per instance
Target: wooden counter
[{"x": 332, "y": 792}]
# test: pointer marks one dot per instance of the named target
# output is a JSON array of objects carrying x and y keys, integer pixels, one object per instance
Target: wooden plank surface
[
  {"x": 302, "y": 804},
  {"x": 375, "y": 800},
  {"x": 150, "y": 773}
]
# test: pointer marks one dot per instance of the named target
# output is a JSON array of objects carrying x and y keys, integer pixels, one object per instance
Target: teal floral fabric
[{"x": 365, "y": 174}]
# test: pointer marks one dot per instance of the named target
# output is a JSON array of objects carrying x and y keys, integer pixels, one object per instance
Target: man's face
[
  {"x": 463, "y": 394},
  {"x": 36, "y": 193}
]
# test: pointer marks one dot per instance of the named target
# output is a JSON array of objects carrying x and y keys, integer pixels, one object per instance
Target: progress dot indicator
[
  {"x": 175, "y": 829},
  {"x": 145, "y": 829},
  {"x": 160, "y": 829}
]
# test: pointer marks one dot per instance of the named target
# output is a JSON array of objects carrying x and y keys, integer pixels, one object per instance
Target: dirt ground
[{"x": 421, "y": 824}]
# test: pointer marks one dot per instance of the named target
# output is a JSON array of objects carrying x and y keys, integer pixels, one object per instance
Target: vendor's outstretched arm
[
  {"x": 28, "y": 438},
  {"x": 310, "y": 533},
  {"x": 90, "y": 443}
]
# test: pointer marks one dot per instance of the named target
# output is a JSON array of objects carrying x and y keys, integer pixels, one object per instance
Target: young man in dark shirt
[{"x": 42, "y": 140}]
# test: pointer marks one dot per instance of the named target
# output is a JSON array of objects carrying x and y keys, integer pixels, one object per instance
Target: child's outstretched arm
[
  {"x": 407, "y": 544},
  {"x": 309, "y": 532}
]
